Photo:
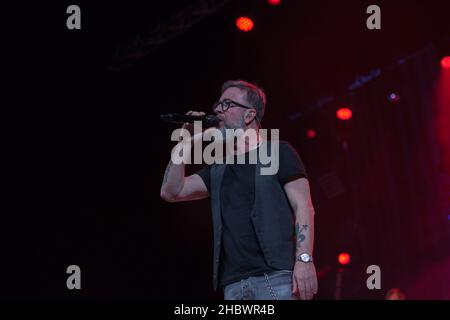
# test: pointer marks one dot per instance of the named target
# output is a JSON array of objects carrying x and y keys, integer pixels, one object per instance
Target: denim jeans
[{"x": 275, "y": 285}]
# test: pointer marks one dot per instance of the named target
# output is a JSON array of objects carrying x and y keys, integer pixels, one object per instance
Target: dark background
[{"x": 84, "y": 151}]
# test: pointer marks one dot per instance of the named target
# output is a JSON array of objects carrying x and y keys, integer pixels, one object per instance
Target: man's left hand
[{"x": 304, "y": 280}]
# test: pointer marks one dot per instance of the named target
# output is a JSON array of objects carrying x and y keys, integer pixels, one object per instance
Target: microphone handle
[
  {"x": 179, "y": 118},
  {"x": 208, "y": 120}
]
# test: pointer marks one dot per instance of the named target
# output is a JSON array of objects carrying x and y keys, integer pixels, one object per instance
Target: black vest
[{"x": 272, "y": 218}]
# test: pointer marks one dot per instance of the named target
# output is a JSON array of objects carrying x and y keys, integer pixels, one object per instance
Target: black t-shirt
[{"x": 241, "y": 254}]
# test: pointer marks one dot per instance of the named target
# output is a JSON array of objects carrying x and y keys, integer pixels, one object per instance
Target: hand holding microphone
[
  {"x": 194, "y": 115},
  {"x": 191, "y": 116},
  {"x": 208, "y": 122}
]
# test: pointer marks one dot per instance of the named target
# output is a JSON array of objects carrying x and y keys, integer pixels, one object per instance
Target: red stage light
[
  {"x": 445, "y": 62},
  {"x": 244, "y": 24},
  {"x": 344, "y": 113},
  {"x": 344, "y": 258},
  {"x": 273, "y": 2},
  {"x": 310, "y": 133}
]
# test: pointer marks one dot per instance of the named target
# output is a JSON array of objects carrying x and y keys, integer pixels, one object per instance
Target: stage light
[
  {"x": 395, "y": 294},
  {"x": 344, "y": 113},
  {"x": 311, "y": 133},
  {"x": 393, "y": 97},
  {"x": 344, "y": 258},
  {"x": 273, "y": 2},
  {"x": 445, "y": 62},
  {"x": 244, "y": 24}
]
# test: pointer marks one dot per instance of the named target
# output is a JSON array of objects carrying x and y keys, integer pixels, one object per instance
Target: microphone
[{"x": 207, "y": 120}]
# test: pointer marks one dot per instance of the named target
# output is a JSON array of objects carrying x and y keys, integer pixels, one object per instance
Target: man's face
[{"x": 233, "y": 118}]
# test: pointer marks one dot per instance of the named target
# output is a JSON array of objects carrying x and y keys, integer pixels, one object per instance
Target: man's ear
[{"x": 249, "y": 116}]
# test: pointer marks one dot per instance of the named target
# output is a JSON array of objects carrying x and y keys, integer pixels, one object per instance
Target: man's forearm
[
  {"x": 173, "y": 178},
  {"x": 304, "y": 230},
  {"x": 174, "y": 175}
]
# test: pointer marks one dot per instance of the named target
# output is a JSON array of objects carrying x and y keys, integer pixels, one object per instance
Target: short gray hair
[{"x": 255, "y": 95}]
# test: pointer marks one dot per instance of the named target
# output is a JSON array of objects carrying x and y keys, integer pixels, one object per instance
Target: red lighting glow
[
  {"x": 273, "y": 2},
  {"x": 310, "y": 133},
  {"x": 344, "y": 258},
  {"x": 344, "y": 113},
  {"x": 244, "y": 24},
  {"x": 445, "y": 62}
]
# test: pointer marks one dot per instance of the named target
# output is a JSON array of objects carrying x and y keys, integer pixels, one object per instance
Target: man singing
[{"x": 263, "y": 224}]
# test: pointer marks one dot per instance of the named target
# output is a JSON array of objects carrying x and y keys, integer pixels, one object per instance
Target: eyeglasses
[{"x": 226, "y": 104}]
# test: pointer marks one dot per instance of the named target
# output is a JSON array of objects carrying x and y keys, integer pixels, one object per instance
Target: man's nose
[{"x": 218, "y": 110}]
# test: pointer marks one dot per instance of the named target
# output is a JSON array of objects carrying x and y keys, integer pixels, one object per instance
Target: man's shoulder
[
  {"x": 282, "y": 143},
  {"x": 286, "y": 149}
]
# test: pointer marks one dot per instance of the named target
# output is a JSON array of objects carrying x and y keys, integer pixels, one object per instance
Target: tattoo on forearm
[
  {"x": 299, "y": 233},
  {"x": 166, "y": 174}
]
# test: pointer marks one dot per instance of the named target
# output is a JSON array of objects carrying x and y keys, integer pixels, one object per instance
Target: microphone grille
[{"x": 212, "y": 120}]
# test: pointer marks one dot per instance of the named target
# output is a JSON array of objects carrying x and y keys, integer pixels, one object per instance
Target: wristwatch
[{"x": 304, "y": 257}]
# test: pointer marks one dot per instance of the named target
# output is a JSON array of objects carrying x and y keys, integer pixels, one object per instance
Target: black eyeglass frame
[
  {"x": 226, "y": 104},
  {"x": 229, "y": 104}
]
